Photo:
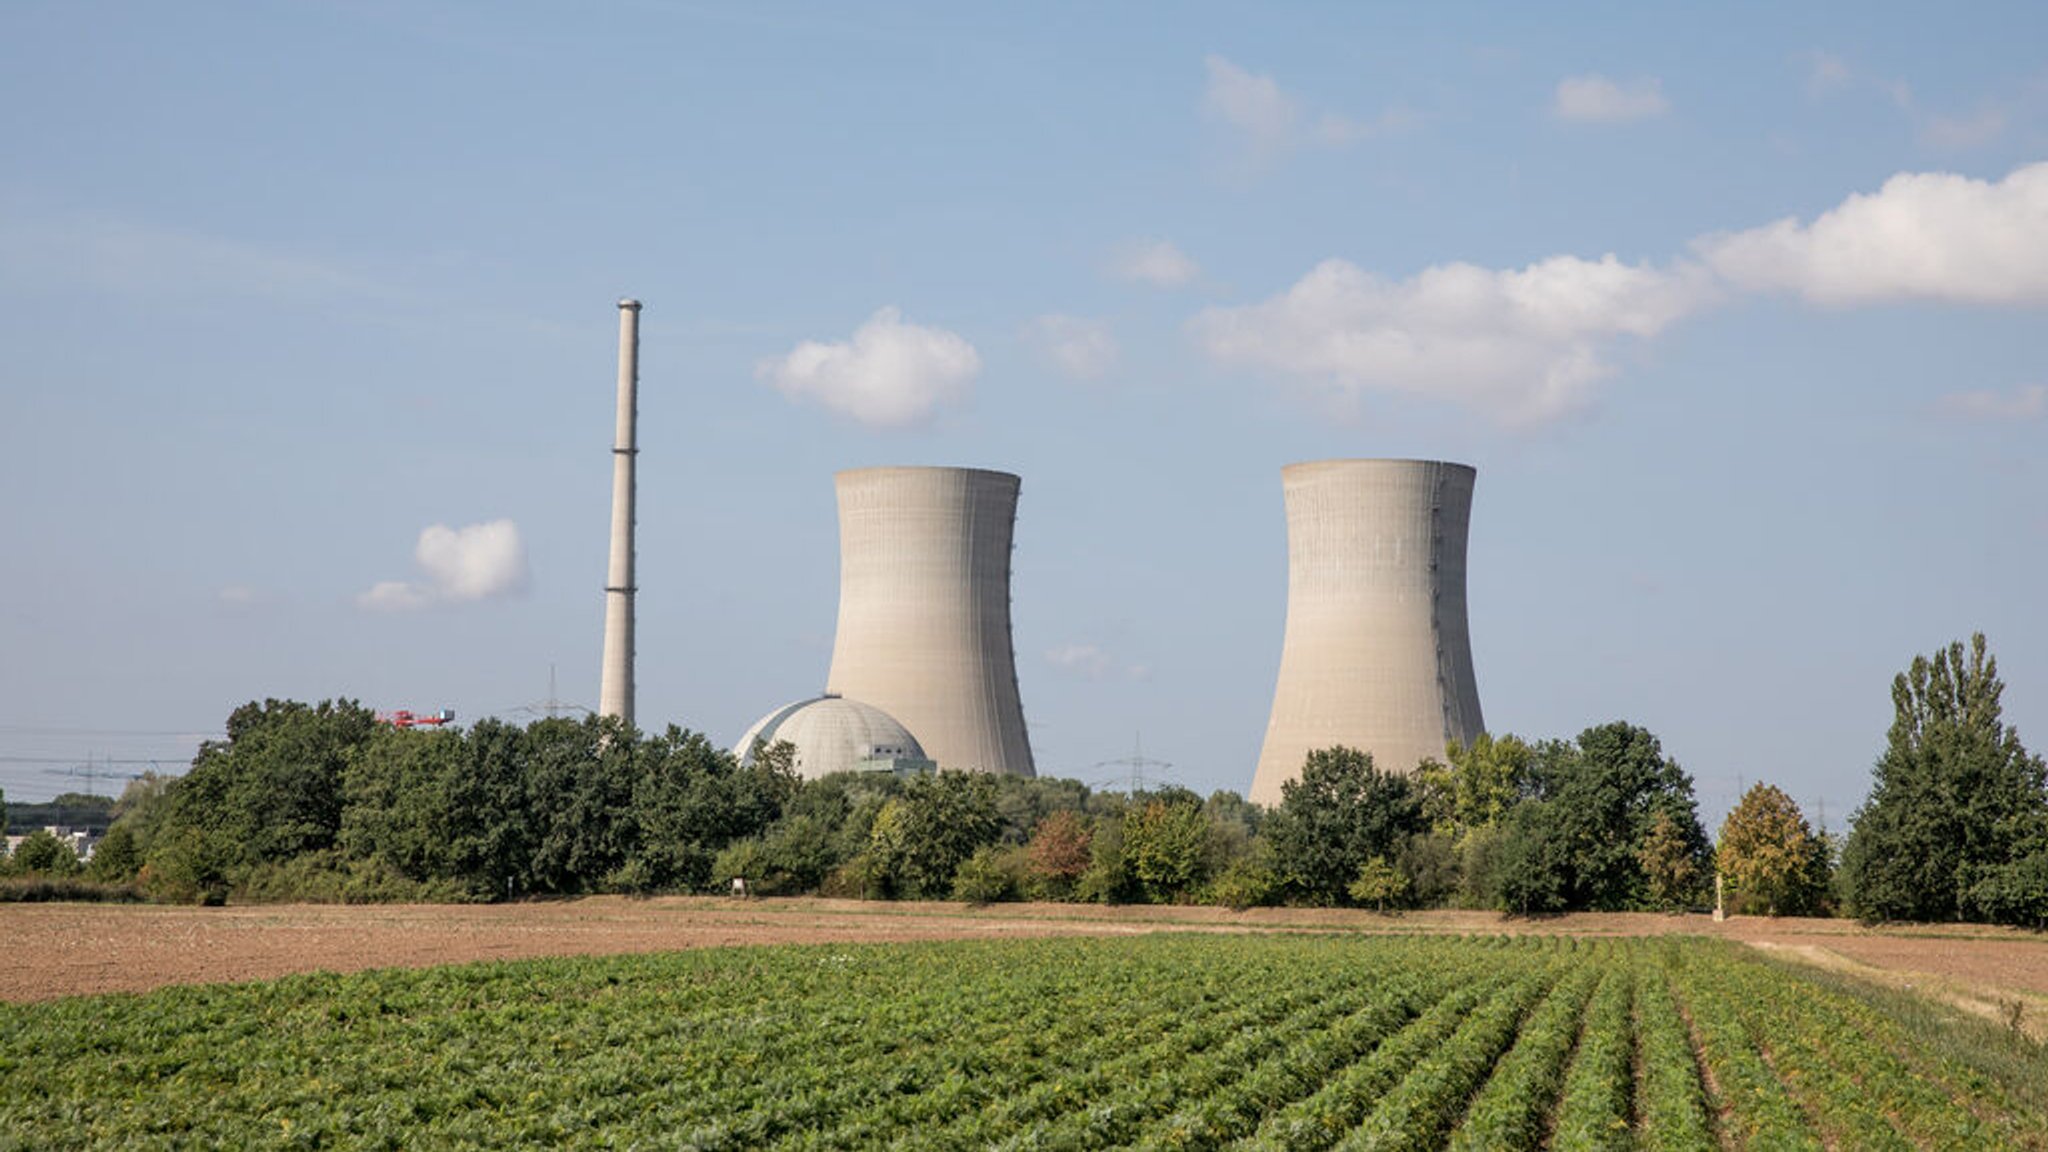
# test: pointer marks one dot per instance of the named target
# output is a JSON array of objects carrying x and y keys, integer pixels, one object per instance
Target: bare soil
[{"x": 71, "y": 949}]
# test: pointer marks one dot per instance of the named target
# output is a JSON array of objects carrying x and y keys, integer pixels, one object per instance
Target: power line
[
  {"x": 174, "y": 758},
  {"x": 33, "y": 730}
]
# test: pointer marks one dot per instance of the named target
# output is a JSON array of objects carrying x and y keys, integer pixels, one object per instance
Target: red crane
[{"x": 404, "y": 718}]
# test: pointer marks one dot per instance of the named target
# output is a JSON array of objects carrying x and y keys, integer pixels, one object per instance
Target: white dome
[{"x": 832, "y": 734}]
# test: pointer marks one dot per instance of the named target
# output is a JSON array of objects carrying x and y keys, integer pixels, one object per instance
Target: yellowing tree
[{"x": 1772, "y": 860}]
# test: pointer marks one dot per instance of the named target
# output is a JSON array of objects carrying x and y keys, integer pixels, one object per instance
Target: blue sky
[{"x": 1738, "y": 313}]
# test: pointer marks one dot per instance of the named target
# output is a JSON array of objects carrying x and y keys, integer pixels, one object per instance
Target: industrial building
[
  {"x": 1377, "y": 653},
  {"x": 834, "y": 734},
  {"x": 924, "y": 610},
  {"x": 615, "y": 681}
]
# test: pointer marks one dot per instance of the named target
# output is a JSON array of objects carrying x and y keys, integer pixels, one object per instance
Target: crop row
[{"x": 1163, "y": 1042}]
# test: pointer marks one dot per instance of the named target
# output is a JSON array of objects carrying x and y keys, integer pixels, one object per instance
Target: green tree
[
  {"x": 1483, "y": 780},
  {"x": 984, "y": 878},
  {"x": 1672, "y": 872},
  {"x": 921, "y": 837},
  {"x": 692, "y": 798},
  {"x": 1529, "y": 868},
  {"x": 1602, "y": 796},
  {"x": 1166, "y": 847},
  {"x": 1378, "y": 882},
  {"x": 273, "y": 789},
  {"x": 116, "y": 858},
  {"x": 1770, "y": 857},
  {"x": 1340, "y": 813},
  {"x": 1956, "y": 797},
  {"x": 41, "y": 854},
  {"x": 395, "y": 809}
]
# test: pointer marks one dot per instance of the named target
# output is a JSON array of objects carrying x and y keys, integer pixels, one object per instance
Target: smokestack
[
  {"x": 615, "y": 688},
  {"x": 924, "y": 610},
  {"x": 1377, "y": 654}
]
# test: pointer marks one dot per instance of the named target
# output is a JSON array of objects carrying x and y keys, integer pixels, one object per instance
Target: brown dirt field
[{"x": 71, "y": 949}]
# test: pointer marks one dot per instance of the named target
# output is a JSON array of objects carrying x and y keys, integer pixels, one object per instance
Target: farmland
[{"x": 1161, "y": 1041}]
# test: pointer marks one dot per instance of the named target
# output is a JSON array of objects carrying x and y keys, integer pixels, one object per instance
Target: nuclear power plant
[
  {"x": 924, "y": 610},
  {"x": 923, "y": 672},
  {"x": 1377, "y": 654},
  {"x": 615, "y": 682}
]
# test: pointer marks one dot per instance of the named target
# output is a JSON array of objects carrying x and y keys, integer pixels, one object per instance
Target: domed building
[{"x": 834, "y": 734}]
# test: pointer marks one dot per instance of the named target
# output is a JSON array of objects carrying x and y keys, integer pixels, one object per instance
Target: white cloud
[
  {"x": 1092, "y": 662},
  {"x": 476, "y": 562},
  {"x": 1825, "y": 73},
  {"x": 1931, "y": 235},
  {"x": 1083, "y": 349},
  {"x": 395, "y": 596},
  {"x": 238, "y": 594},
  {"x": 1154, "y": 262},
  {"x": 1950, "y": 133},
  {"x": 889, "y": 375},
  {"x": 1271, "y": 121},
  {"x": 1250, "y": 103},
  {"x": 1337, "y": 131},
  {"x": 1526, "y": 345},
  {"x": 1596, "y": 99},
  {"x": 1520, "y": 345},
  {"x": 1085, "y": 660},
  {"x": 2027, "y": 402},
  {"x": 1960, "y": 133}
]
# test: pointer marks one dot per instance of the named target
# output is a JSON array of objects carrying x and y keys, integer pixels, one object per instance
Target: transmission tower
[{"x": 1137, "y": 762}]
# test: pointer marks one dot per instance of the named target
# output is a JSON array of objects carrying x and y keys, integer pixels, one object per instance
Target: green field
[{"x": 1170, "y": 1041}]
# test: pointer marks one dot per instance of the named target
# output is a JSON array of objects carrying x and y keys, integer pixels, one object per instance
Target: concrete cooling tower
[
  {"x": 1377, "y": 654},
  {"x": 924, "y": 610}
]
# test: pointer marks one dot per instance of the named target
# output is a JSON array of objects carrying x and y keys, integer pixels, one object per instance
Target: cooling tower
[
  {"x": 1377, "y": 654},
  {"x": 924, "y": 610},
  {"x": 615, "y": 682}
]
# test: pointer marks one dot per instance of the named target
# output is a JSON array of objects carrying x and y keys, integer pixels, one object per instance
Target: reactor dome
[{"x": 834, "y": 734}]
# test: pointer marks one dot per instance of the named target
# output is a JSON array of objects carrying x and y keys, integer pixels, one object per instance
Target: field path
[{"x": 70, "y": 949}]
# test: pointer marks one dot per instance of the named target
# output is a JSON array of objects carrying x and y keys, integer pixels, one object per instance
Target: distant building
[
  {"x": 833, "y": 734},
  {"x": 81, "y": 841}
]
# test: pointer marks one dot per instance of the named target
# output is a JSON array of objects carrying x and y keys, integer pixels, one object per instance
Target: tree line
[{"x": 321, "y": 802}]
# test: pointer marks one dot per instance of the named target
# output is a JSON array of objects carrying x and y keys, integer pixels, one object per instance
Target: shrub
[
  {"x": 41, "y": 854},
  {"x": 983, "y": 878},
  {"x": 1248, "y": 882}
]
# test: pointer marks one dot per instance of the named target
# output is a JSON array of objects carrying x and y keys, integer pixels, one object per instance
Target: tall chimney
[{"x": 615, "y": 688}]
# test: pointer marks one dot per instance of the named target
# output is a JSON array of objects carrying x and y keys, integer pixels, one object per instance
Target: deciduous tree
[
  {"x": 1340, "y": 813},
  {"x": 1956, "y": 797},
  {"x": 1770, "y": 857}
]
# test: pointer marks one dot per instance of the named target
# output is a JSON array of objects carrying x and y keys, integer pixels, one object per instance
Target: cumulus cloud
[
  {"x": 1154, "y": 262},
  {"x": 1525, "y": 345},
  {"x": 1596, "y": 99},
  {"x": 1520, "y": 345},
  {"x": 891, "y": 374},
  {"x": 477, "y": 562},
  {"x": 2027, "y": 402},
  {"x": 1081, "y": 348},
  {"x": 1928, "y": 235}
]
